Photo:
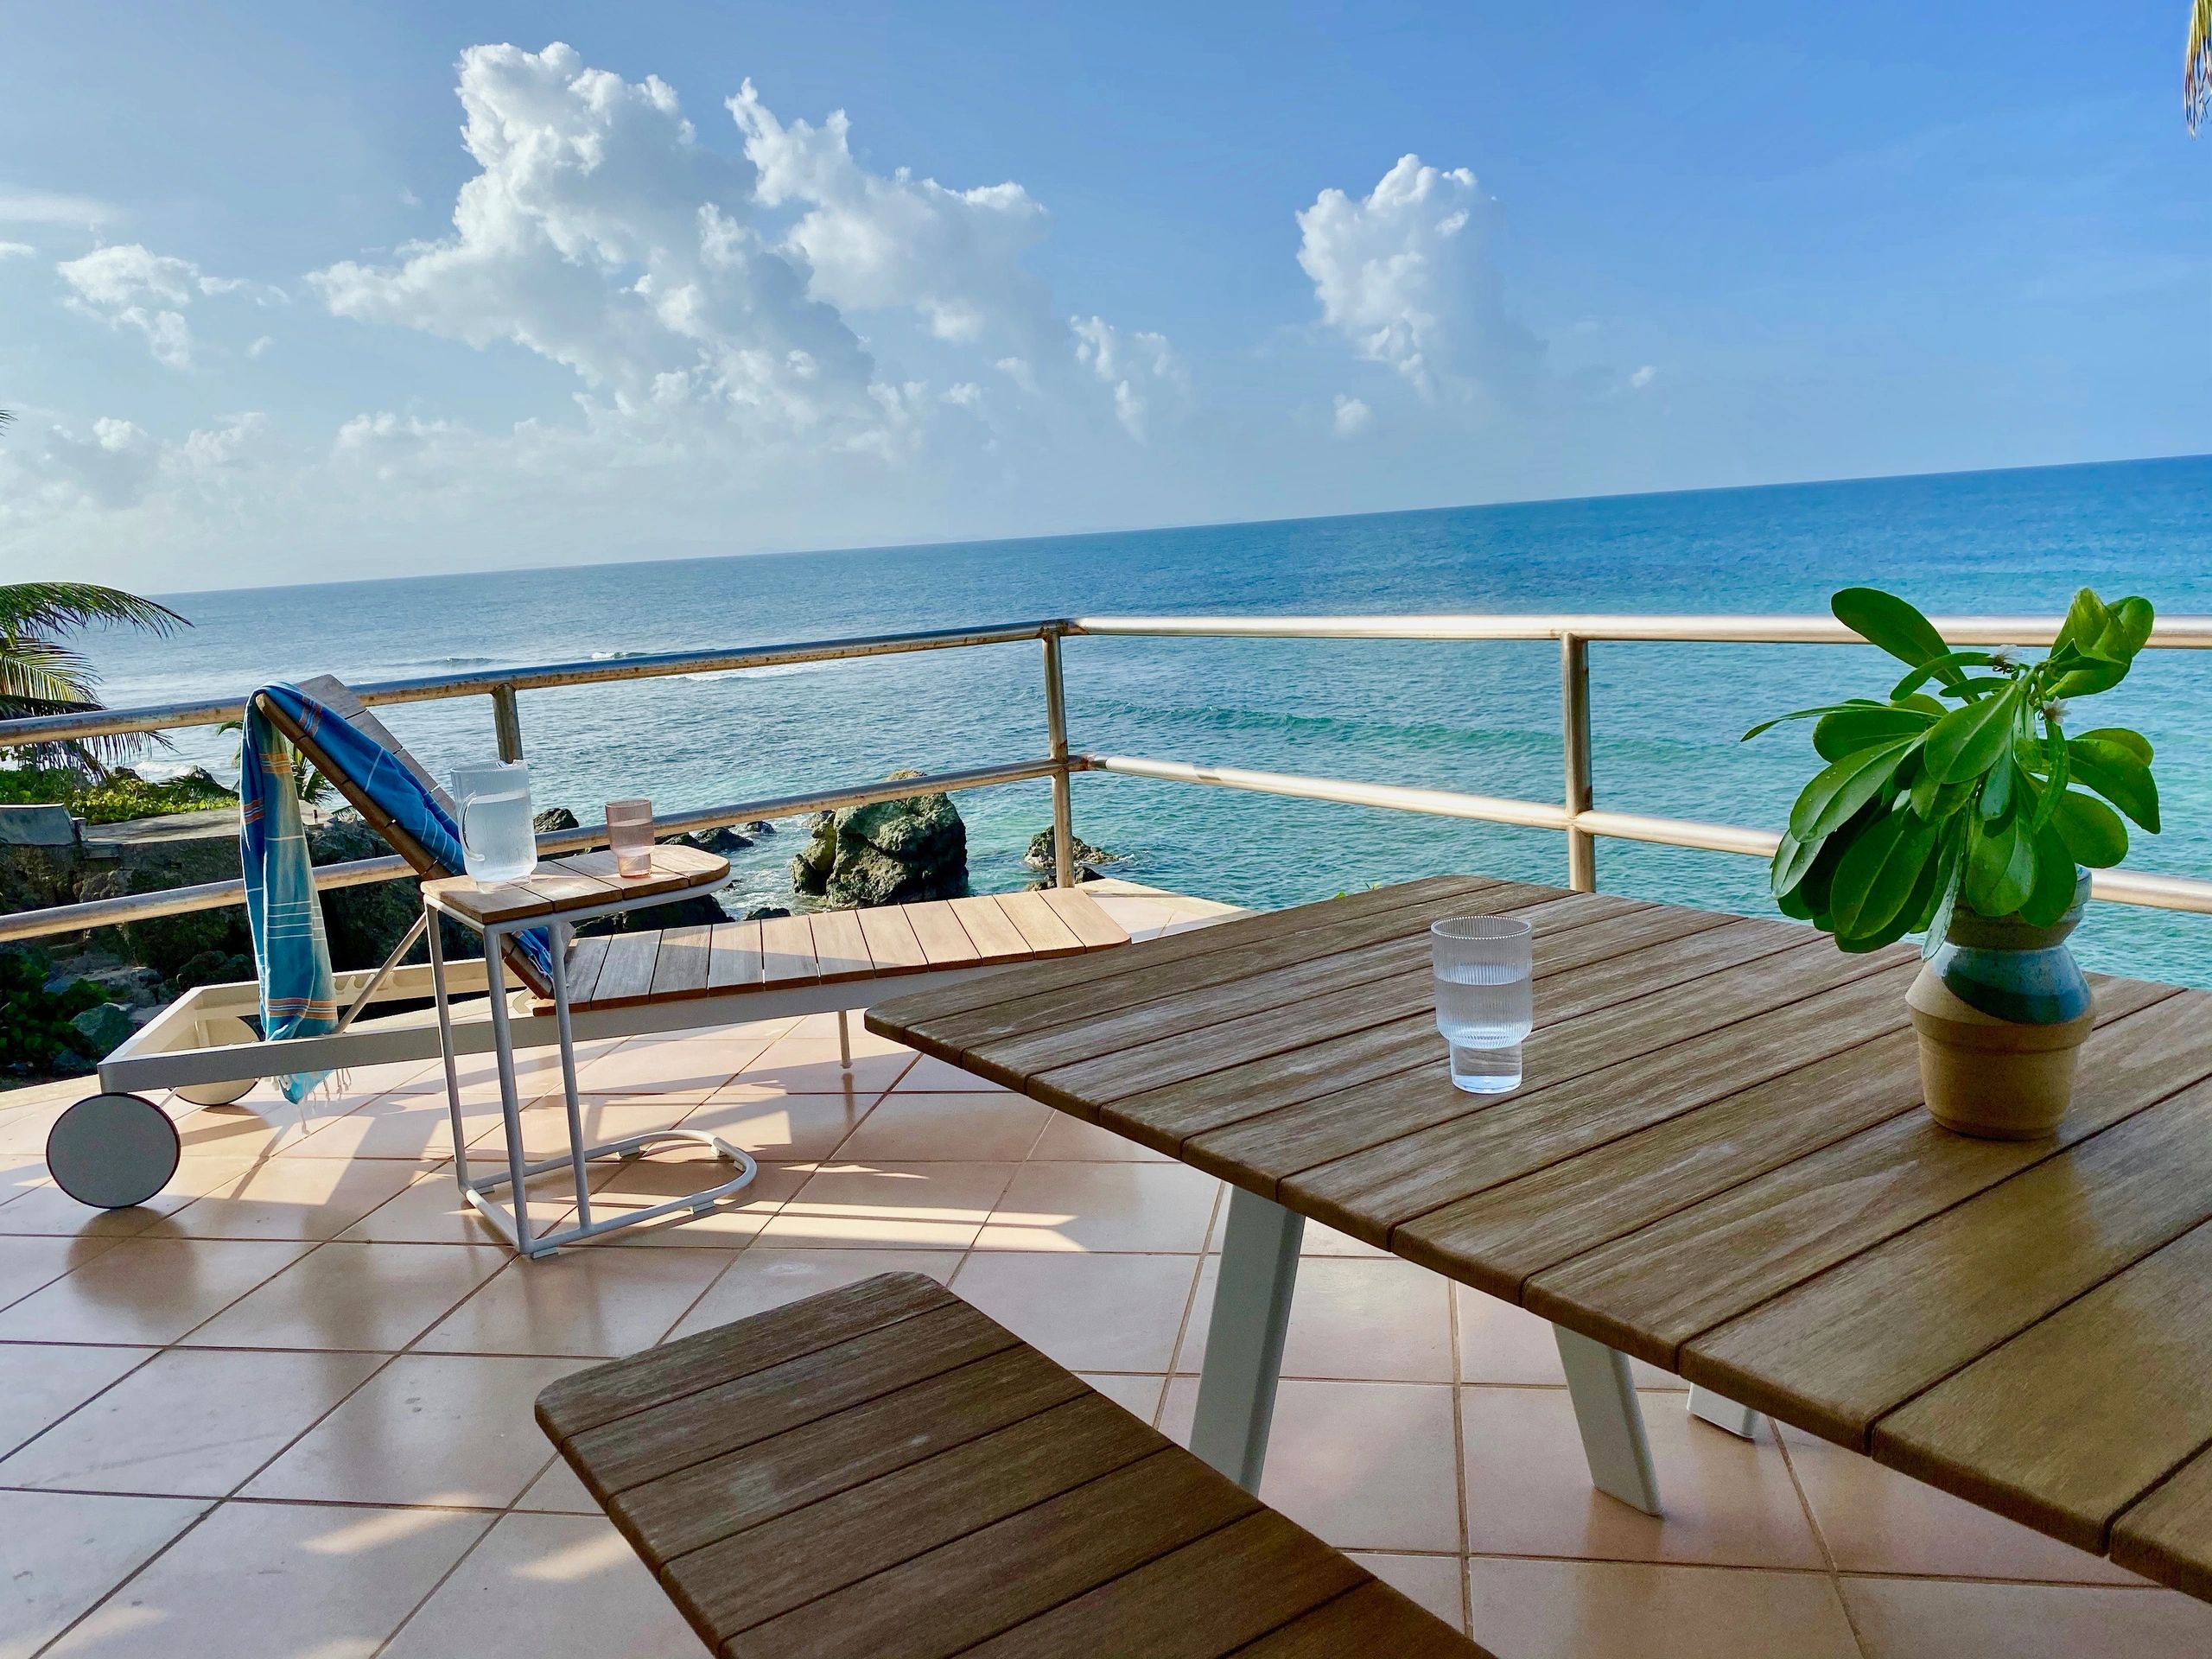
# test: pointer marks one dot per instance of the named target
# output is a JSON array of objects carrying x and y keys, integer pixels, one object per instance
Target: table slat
[
  {"x": 2073, "y": 1419},
  {"x": 1374, "y": 1618},
  {"x": 1153, "y": 974},
  {"x": 2168, "y": 1536},
  {"x": 1876, "y": 1329},
  {"x": 1657, "y": 1288}
]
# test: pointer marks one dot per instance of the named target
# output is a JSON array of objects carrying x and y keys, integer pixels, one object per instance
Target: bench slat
[
  {"x": 1092, "y": 926},
  {"x": 884, "y": 1472},
  {"x": 787, "y": 951},
  {"x": 1040, "y": 925},
  {"x": 995, "y": 936},
  {"x": 841, "y": 949},
  {"x": 944, "y": 942},
  {"x": 891, "y": 937},
  {"x": 627, "y": 974},
  {"x": 680, "y": 970},
  {"x": 737, "y": 959}
]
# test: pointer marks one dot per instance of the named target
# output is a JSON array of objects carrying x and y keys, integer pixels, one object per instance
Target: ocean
[{"x": 1481, "y": 717}]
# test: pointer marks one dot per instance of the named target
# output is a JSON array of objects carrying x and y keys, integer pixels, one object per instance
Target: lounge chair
[{"x": 117, "y": 1148}]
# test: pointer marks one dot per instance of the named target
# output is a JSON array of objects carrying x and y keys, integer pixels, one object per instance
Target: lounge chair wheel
[
  {"x": 113, "y": 1151},
  {"x": 223, "y": 1028}
]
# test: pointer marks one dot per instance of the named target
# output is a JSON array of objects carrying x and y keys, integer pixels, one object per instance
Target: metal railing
[{"x": 1574, "y": 814}]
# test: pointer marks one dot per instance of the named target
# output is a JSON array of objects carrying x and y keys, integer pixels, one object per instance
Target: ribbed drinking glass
[{"x": 1485, "y": 1002}]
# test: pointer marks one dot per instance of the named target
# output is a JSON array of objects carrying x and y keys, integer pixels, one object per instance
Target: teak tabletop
[
  {"x": 1716, "y": 1162},
  {"x": 575, "y": 882}
]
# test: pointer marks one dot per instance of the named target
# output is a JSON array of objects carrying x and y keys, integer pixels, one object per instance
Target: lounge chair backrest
[{"x": 336, "y": 696}]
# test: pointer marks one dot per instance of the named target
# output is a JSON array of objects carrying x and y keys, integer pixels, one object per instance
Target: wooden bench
[{"x": 881, "y": 1471}]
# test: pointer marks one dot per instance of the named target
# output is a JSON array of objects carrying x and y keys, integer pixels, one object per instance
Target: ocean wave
[
  {"x": 450, "y": 662},
  {"x": 768, "y": 671}
]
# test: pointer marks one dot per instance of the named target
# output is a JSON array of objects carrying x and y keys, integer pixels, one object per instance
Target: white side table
[{"x": 557, "y": 895}]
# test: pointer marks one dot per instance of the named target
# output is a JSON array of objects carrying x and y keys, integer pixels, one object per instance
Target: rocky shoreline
[{"x": 65, "y": 1003}]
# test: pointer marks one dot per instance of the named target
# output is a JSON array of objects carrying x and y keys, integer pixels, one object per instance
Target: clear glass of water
[
  {"x": 630, "y": 832},
  {"x": 1484, "y": 1003},
  {"x": 499, "y": 841}
]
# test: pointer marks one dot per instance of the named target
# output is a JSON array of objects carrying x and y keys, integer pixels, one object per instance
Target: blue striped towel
[{"x": 297, "y": 999}]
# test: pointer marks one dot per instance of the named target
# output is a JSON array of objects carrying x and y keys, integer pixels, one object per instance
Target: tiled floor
[{"x": 285, "y": 1411}]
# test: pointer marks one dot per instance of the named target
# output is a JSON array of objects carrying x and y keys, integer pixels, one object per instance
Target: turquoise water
[{"x": 1480, "y": 717}]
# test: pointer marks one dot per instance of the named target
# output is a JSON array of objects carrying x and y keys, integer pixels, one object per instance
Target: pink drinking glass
[{"x": 630, "y": 831}]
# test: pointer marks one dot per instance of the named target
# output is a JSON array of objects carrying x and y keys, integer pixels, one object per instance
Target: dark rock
[
  {"x": 1040, "y": 856},
  {"x": 891, "y": 852},
  {"x": 721, "y": 840},
  {"x": 70, "y": 1063},
  {"x": 212, "y": 968},
  {"x": 813, "y": 864},
  {"x": 101, "y": 1029},
  {"x": 765, "y": 912},
  {"x": 201, "y": 777},
  {"x": 362, "y": 923},
  {"x": 758, "y": 827},
  {"x": 699, "y": 910},
  {"x": 554, "y": 819},
  {"x": 135, "y": 988},
  {"x": 1083, "y": 873}
]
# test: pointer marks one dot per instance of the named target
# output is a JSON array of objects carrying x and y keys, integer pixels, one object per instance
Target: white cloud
[
  {"x": 1353, "y": 416},
  {"x": 601, "y": 234},
  {"x": 127, "y": 286},
  {"x": 1402, "y": 274},
  {"x": 116, "y": 464},
  {"x": 873, "y": 242},
  {"x": 19, "y": 206},
  {"x": 17, "y": 251},
  {"x": 1642, "y": 377},
  {"x": 1139, "y": 368}
]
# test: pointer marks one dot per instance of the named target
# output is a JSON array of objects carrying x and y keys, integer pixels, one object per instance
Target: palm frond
[
  {"x": 2196, "y": 83},
  {"x": 40, "y": 675},
  {"x": 25, "y": 606}
]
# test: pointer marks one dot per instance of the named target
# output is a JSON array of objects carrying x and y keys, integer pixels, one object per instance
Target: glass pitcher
[{"x": 497, "y": 837}]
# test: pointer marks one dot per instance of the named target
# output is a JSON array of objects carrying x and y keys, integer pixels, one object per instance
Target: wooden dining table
[{"x": 1716, "y": 1162}]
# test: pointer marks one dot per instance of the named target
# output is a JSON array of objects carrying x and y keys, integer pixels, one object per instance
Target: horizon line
[{"x": 1202, "y": 525}]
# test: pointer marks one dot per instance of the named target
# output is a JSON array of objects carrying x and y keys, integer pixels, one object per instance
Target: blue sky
[{"x": 1642, "y": 248}]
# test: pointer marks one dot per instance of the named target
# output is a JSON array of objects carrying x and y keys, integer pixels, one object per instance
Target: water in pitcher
[{"x": 498, "y": 837}]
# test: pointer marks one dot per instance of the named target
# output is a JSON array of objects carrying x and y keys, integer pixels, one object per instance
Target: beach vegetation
[{"x": 41, "y": 673}]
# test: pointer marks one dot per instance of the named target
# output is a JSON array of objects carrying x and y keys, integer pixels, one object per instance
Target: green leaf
[
  {"x": 1997, "y": 793},
  {"x": 2089, "y": 679},
  {"x": 2085, "y": 620},
  {"x": 2091, "y": 831},
  {"x": 1791, "y": 860},
  {"x": 2135, "y": 742},
  {"x": 2128, "y": 626},
  {"x": 2055, "y": 877},
  {"x": 2000, "y": 868},
  {"x": 1806, "y": 714},
  {"x": 1840, "y": 789},
  {"x": 1884, "y": 619},
  {"x": 1951, "y": 875},
  {"x": 1875, "y": 881},
  {"x": 1943, "y": 668},
  {"x": 2120, "y": 775},
  {"x": 1966, "y": 742},
  {"x": 1845, "y": 731}
]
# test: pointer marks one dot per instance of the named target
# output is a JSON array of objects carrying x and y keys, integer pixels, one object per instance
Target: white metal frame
[{"x": 513, "y": 1224}]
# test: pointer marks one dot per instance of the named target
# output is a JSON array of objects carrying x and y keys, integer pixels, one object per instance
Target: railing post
[
  {"x": 506, "y": 722},
  {"x": 1056, "y": 732},
  {"x": 1574, "y": 735}
]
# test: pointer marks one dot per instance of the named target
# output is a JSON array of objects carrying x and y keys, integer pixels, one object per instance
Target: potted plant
[{"x": 1961, "y": 807}]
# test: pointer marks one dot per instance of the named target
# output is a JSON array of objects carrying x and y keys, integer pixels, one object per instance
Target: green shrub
[
  {"x": 34, "y": 1021},
  {"x": 121, "y": 796}
]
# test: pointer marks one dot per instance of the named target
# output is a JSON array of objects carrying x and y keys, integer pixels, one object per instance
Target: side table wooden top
[{"x": 575, "y": 882}]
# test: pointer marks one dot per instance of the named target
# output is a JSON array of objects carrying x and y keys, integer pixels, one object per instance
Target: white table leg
[
  {"x": 1251, "y": 1310},
  {"x": 1610, "y": 1418},
  {"x": 1723, "y": 1413}
]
